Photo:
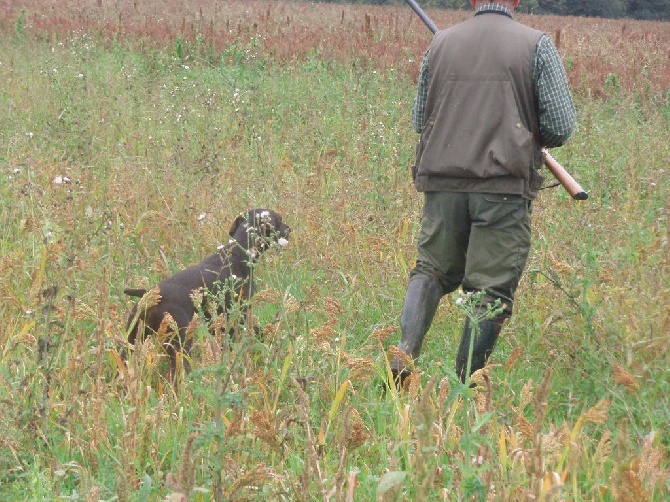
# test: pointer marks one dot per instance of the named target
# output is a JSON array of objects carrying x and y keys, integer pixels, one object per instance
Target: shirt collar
[{"x": 494, "y": 7}]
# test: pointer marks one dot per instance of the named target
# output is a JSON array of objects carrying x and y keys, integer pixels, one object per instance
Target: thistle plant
[
  {"x": 474, "y": 440},
  {"x": 471, "y": 303}
]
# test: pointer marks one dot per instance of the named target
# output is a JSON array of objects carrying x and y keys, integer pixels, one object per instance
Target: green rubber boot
[
  {"x": 486, "y": 335},
  {"x": 421, "y": 301}
]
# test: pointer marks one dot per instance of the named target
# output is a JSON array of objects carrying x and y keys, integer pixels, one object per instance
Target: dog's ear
[{"x": 236, "y": 224}]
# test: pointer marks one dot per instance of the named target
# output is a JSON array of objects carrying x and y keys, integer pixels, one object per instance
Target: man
[{"x": 491, "y": 93}]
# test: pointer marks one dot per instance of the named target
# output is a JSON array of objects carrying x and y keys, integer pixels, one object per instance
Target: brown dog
[{"x": 226, "y": 273}]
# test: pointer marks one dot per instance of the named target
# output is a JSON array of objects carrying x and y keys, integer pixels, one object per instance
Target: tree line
[{"x": 658, "y": 10}]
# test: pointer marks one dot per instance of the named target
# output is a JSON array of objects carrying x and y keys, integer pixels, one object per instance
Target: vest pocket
[
  {"x": 417, "y": 159},
  {"x": 512, "y": 148},
  {"x": 536, "y": 180}
]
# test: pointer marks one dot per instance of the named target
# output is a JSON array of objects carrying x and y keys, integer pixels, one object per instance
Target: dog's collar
[{"x": 234, "y": 247}]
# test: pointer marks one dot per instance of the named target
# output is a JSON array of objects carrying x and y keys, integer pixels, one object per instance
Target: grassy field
[{"x": 133, "y": 133}]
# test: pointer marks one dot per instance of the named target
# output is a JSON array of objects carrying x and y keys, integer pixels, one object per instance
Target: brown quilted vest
[{"x": 481, "y": 118}]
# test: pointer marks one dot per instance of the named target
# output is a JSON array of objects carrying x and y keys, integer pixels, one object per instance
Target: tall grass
[{"x": 126, "y": 157}]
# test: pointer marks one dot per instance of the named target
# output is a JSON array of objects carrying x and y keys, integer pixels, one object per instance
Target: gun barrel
[{"x": 424, "y": 17}]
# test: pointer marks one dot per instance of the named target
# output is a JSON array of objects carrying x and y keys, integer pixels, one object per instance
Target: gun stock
[{"x": 564, "y": 178}]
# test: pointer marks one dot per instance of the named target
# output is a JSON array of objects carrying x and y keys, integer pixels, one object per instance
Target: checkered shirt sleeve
[
  {"x": 556, "y": 111},
  {"x": 419, "y": 108}
]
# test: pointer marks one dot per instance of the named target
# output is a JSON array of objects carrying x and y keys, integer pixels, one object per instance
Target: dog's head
[{"x": 256, "y": 229}]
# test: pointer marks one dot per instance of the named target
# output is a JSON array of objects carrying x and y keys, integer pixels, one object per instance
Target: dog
[{"x": 226, "y": 273}]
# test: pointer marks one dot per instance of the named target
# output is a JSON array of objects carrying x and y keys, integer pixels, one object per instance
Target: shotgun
[{"x": 559, "y": 172}]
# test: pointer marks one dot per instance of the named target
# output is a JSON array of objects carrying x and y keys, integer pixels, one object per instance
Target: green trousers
[{"x": 478, "y": 241}]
